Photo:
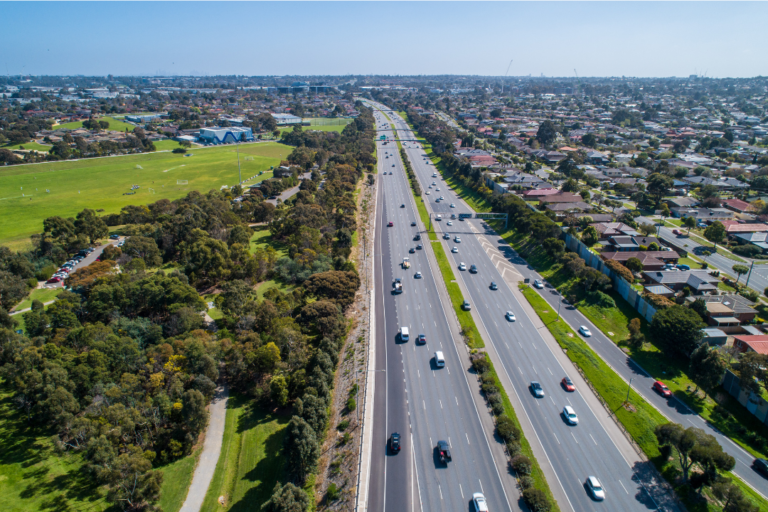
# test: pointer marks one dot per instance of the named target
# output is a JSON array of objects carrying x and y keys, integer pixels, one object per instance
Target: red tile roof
[
  {"x": 758, "y": 342},
  {"x": 734, "y": 227},
  {"x": 738, "y": 205}
]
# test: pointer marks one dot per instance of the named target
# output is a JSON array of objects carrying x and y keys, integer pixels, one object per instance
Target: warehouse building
[{"x": 224, "y": 135}]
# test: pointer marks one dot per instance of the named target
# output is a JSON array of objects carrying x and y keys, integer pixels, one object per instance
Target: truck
[
  {"x": 398, "y": 285},
  {"x": 406, "y": 263}
]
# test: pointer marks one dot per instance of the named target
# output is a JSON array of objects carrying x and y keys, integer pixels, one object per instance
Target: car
[
  {"x": 510, "y": 316},
  {"x": 444, "y": 452},
  {"x": 450, "y": 223},
  {"x": 392, "y": 166},
  {"x": 412, "y": 250},
  {"x": 441, "y": 197},
  {"x": 455, "y": 250},
  {"x": 584, "y": 331},
  {"x": 394, "y": 442},
  {"x": 457, "y": 239},
  {"x": 446, "y": 236},
  {"x": 462, "y": 266},
  {"x": 466, "y": 306},
  {"x": 54, "y": 279},
  {"x": 437, "y": 200},
  {"x": 570, "y": 415},
  {"x": 417, "y": 275},
  {"x": 568, "y": 384},
  {"x": 421, "y": 339},
  {"x": 473, "y": 269},
  {"x": 402, "y": 205},
  {"x": 494, "y": 286},
  {"x": 390, "y": 224},
  {"x": 683, "y": 267},
  {"x": 390, "y": 173},
  {"x": 662, "y": 389},
  {"x": 453, "y": 205},
  {"x": 538, "y": 284},
  {"x": 428, "y": 192},
  {"x": 677, "y": 232},
  {"x": 419, "y": 247},
  {"x": 413, "y": 223},
  {"x": 595, "y": 488},
  {"x": 439, "y": 359},
  {"x": 114, "y": 237},
  {"x": 538, "y": 391},
  {"x": 761, "y": 466},
  {"x": 433, "y": 183},
  {"x": 417, "y": 236},
  {"x": 478, "y": 500}
]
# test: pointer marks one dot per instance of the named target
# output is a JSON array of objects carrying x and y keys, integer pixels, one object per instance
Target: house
[
  {"x": 562, "y": 208},
  {"x": 703, "y": 214},
  {"x": 737, "y": 205},
  {"x": 733, "y": 227},
  {"x": 752, "y": 343},
  {"x": 700, "y": 281},
  {"x": 540, "y": 192},
  {"x": 553, "y": 157},
  {"x": 756, "y": 239},
  {"x": 714, "y": 336},
  {"x": 631, "y": 243},
  {"x": 651, "y": 260},
  {"x": 682, "y": 202},
  {"x": 659, "y": 289},
  {"x": 596, "y": 157},
  {"x": 609, "y": 229},
  {"x": 562, "y": 197},
  {"x": 596, "y": 217}
]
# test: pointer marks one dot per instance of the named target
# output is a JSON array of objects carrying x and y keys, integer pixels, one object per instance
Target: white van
[
  {"x": 438, "y": 217},
  {"x": 404, "y": 335},
  {"x": 439, "y": 359}
]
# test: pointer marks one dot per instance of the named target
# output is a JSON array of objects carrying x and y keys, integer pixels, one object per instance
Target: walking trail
[{"x": 211, "y": 450}]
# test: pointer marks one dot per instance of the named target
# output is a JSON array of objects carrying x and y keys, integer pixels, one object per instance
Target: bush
[
  {"x": 536, "y": 500},
  {"x": 481, "y": 364},
  {"x": 749, "y": 294},
  {"x": 600, "y": 299},
  {"x": 351, "y": 404},
  {"x": 45, "y": 273},
  {"x": 521, "y": 464},
  {"x": 750, "y": 251},
  {"x": 342, "y": 426},
  {"x": 333, "y": 492},
  {"x": 620, "y": 270},
  {"x": 507, "y": 429},
  {"x": 514, "y": 448},
  {"x": 498, "y": 408},
  {"x": 526, "y": 482}
]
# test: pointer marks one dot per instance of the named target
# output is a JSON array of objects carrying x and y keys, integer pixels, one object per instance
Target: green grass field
[
  {"x": 114, "y": 125},
  {"x": 167, "y": 145},
  {"x": 250, "y": 462},
  {"x": 34, "y": 478},
  {"x": 322, "y": 127},
  {"x": 42, "y": 294},
  {"x": 99, "y": 183},
  {"x": 30, "y": 145}
]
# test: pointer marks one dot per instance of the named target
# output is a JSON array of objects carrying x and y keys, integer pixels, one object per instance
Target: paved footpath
[{"x": 211, "y": 450}]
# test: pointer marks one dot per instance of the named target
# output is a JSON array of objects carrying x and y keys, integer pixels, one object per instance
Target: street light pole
[
  {"x": 750, "y": 273},
  {"x": 559, "y": 303}
]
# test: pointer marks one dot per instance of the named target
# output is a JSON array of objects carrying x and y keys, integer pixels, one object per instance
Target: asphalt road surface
[
  {"x": 574, "y": 452},
  {"x": 413, "y": 397}
]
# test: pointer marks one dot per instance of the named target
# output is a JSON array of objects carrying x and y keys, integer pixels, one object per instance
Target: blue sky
[{"x": 408, "y": 38}]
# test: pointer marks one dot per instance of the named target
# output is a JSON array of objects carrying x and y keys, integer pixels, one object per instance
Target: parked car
[
  {"x": 466, "y": 306},
  {"x": 761, "y": 466},
  {"x": 114, "y": 237},
  {"x": 662, "y": 389},
  {"x": 54, "y": 279}
]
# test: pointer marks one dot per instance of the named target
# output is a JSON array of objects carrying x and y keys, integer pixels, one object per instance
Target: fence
[
  {"x": 621, "y": 286},
  {"x": 754, "y": 403}
]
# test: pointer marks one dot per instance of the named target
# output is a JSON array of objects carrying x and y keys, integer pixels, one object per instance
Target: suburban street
[
  {"x": 427, "y": 403},
  {"x": 525, "y": 356}
]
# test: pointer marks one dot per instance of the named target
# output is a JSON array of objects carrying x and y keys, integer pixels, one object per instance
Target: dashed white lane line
[
  {"x": 556, "y": 439},
  {"x": 467, "y": 438},
  {"x": 593, "y": 439},
  {"x": 574, "y": 438}
]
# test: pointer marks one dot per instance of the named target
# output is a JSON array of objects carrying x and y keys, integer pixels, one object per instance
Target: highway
[
  {"x": 412, "y": 396},
  {"x": 574, "y": 452}
]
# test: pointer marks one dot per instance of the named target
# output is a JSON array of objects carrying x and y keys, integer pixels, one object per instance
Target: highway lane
[
  {"x": 572, "y": 451},
  {"x": 421, "y": 402}
]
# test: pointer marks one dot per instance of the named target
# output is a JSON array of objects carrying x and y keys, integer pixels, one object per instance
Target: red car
[
  {"x": 677, "y": 232},
  {"x": 568, "y": 384},
  {"x": 54, "y": 280},
  {"x": 662, "y": 389},
  {"x": 390, "y": 224}
]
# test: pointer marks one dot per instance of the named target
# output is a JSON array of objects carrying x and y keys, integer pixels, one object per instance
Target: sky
[{"x": 642, "y": 39}]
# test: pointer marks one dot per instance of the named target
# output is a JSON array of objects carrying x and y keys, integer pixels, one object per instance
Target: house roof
[
  {"x": 738, "y": 205},
  {"x": 735, "y": 227},
  {"x": 562, "y": 197},
  {"x": 647, "y": 258},
  {"x": 541, "y": 192},
  {"x": 758, "y": 343},
  {"x": 564, "y": 207}
]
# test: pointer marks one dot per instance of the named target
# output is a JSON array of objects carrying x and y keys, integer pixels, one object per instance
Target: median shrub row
[
  {"x": 536, "y": 492},
  {"x": 411, "y": 176}
]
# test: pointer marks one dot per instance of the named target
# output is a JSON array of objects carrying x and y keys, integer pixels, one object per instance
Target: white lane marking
[
  {"x": 521, "y": 371},
  {"x": 550, "y": 371},
  {"x": 593, "y": 439},
  {"x": 574, "y": 438},
  {"x": 481, "y": 485},
  {"x": 425, "y": 404},
  {"x": 553, "y": 400},
  {"x": 418, "y": 373},
  {"x": 556, "y": 439},
  {"x": 467, "y": 438},
  {"x": 457, "y": 400},
  {"x": 622, "y": 486},
  {"x": 441, "y": 403},
  {"x": 461, "y": 491},
  {"x": 441, "y": 491}
]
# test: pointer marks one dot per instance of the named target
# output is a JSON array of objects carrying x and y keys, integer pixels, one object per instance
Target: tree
[
  {"x": 658, "y": 186},
  {"x": 589, "y": 140},
  {"x": 731, "y": 497},
  {"x": 132, "y": 482},
  {"x": 301, "y": 448},
  {"x": 546, "y": 133},
  {"x": 553, "y": 247},
  {"x": 590, "y": 236},
  {"x": 682, "y": 441},
  {"x": 278, "y": 390},
  {"x": 751, "y": 369},
  {"x": 689, "y": 222},
  {"x": 145, "y": 248},
  {"x": 288, "y": 498},
  {"x": 646, "y": 228},
  {"x": 634, "y": 264},
  {"x": 337, "y": 286},
  {"x": 700, "y": 307},
  {"x": 740, "y": 270},
  {"x": 91, "y": 225},
  {"x": 715, "y": 233},
  {"x": 235, "y": 297},
  {"x": 677, "y": 328},
  {"x": 706, "y": 367}
]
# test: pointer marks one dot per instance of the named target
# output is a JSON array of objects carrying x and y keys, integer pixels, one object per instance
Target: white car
[
  {"x": 570, "y": 415},
  {"x": 510, "y": 316},
  {"x": 433, "y": 183},
  {"x": 584, "y": 331},
  {"x": 427, "y": 192},
  {"x": 538, "y": 284},
  {"x": 478, "y": 500},
  {"x": 450, "y": 223},
  {"x": 455, "y": 250},
  {"x": 595, "y": 488},
  {"x": 457, "y": 240},
  {"x": 462, "y": 266},
  {"x": 453, "y": 205},
  {"x": 417, "y": 275}
]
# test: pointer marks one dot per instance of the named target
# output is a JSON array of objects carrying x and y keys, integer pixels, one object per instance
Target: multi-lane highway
[
  {"x": 413, "y": 397},
  {"x": 574, "y": 452}
]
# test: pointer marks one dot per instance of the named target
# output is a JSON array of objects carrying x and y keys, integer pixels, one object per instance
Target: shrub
[
  {"x": 620, "y": 270},
  {"x": 351, "y": 404},
  {"x": 526, "y": 482},
  {"x": 521, "y": 464},
  {"x": 514, "y": 448},
  {"x": 658, "y": 301},
  {"x": 481, "y": 364},
  {"x": 749, "y": 293},
  {"x": 342, "y": 426},
  {"x": 750, "y": 251},
  {"x": 507, "y": 429},
  {"x": 333, "y": 492},
  {"x": 600, "y": 299},
  {"x": 536, "y": 500},
  {"x": 498, "y": 408}
]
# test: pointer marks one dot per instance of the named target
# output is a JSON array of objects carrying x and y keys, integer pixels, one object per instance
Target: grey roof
[{"x": 697, "y": 279}]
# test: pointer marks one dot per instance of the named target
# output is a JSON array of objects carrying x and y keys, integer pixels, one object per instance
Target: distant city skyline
[{"x": 648, "y": 39}]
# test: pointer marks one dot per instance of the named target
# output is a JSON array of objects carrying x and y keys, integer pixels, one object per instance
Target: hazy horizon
[{"x": 597, "y": 39}]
